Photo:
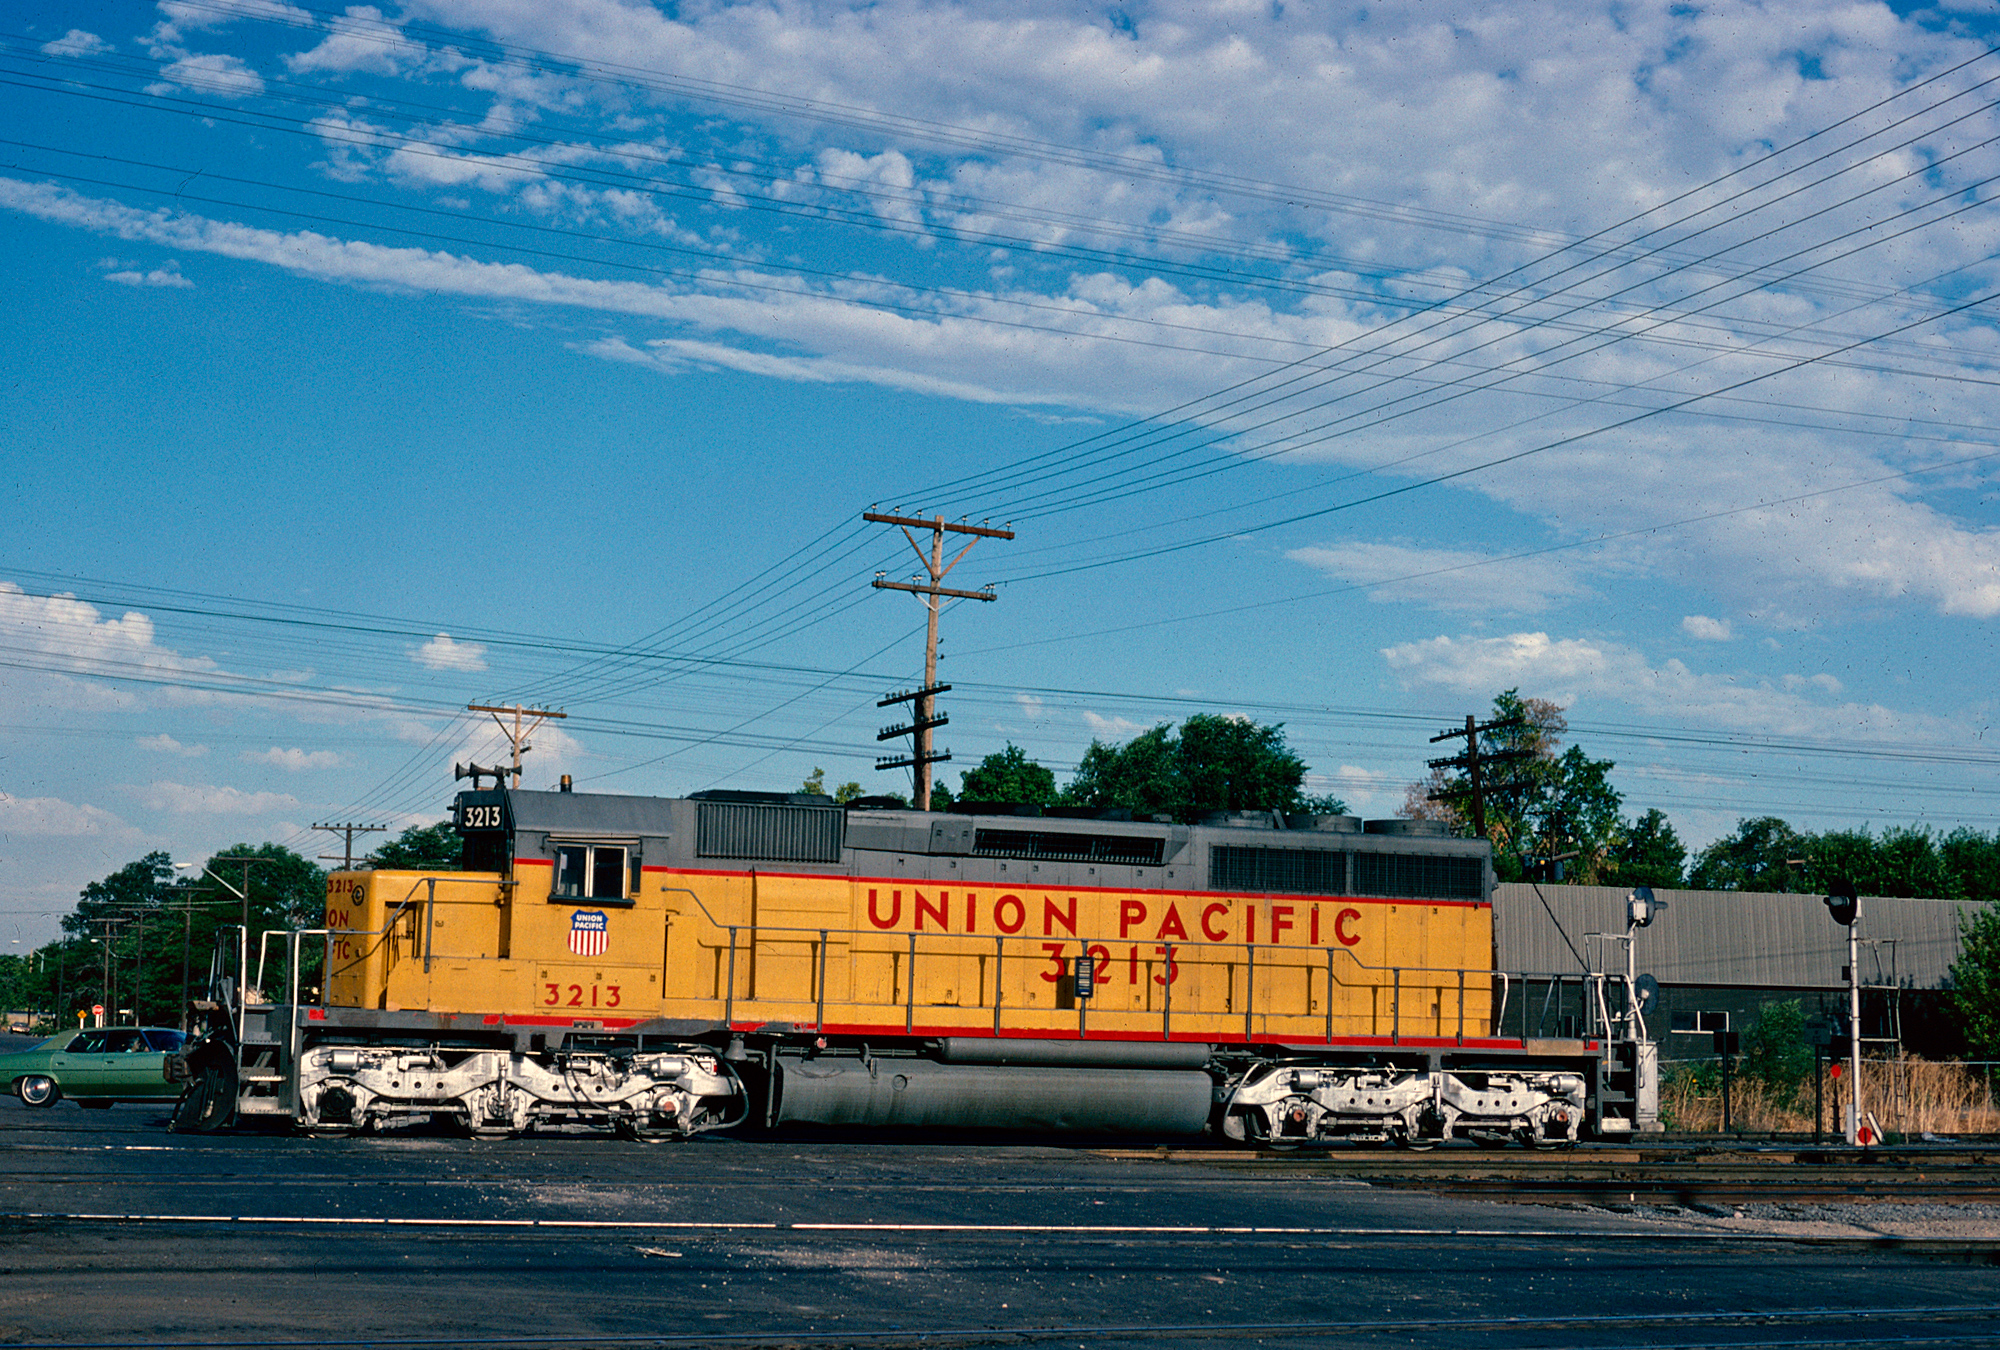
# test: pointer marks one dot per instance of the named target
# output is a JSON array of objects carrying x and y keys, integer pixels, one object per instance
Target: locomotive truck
[{"x": 669, "y": 966}]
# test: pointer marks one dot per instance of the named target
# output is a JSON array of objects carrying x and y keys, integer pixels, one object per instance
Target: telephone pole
[
  {"x": 517, "y": 735},
  {"x": 347, "y": 849},
  {"x": 1472, "y": 761},
  {"x": 924, "y": 716},
  {"x": 110, "y": 926}
]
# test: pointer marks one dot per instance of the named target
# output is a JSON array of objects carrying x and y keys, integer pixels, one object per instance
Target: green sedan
[{"x": 97, "y": 1066}]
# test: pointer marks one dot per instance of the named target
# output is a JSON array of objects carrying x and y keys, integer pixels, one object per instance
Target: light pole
[{"x": 243, "y": 895}]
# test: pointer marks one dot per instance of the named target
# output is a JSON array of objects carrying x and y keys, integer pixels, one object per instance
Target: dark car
[{"x": 96, "y": 1066}]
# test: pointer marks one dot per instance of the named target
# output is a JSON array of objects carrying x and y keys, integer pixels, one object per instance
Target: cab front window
[{"x": 589, "y": 872}]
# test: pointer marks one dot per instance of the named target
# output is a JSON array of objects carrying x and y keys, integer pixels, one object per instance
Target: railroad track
[{"x": 1686, "y": 1175}]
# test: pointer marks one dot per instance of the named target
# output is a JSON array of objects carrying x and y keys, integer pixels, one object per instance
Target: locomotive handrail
[
  {"x": 422, "y": 895},
  {"x": 403, "y": 907},
  {"x": 817, "y": 938}
]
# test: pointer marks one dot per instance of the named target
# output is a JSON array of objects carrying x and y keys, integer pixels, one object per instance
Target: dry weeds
[{"x": 1908, "y": 1097}]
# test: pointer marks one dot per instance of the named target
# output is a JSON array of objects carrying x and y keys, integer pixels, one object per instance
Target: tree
[
  {"x": 1648, "y": 853},
  {"x": 815, "y": 786},
  {"x": 1540, "y": 805},
  {"x": 421, "y": 848},
  {"x": 1212, "y": 764},
  {"x": 1009, "y": 776},
  {"x": 1755, "y": 858},
  {"x": 1571, "y": 814},
  {"x": 1975, "y": 979},
  {"x": 1775, "y": 1050},
  {"x": 1972, "y": 863},
  {"x": 110, "y": 921},
  {"x": 1908, "y": 864}
]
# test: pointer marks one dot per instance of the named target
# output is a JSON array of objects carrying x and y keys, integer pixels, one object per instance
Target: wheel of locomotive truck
[
  {"x": 39, "y": 1090},
  {"x": 628, "y": 1127},
  {"x": 210, "y": 1100}
]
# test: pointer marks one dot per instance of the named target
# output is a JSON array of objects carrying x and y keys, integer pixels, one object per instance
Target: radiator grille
[
  {"x": 1064, "y": 847},
  {"x": 1418, "y": 876},
  {"x": 779, "y": 833},
  {"x": 1293, "y": 871}
]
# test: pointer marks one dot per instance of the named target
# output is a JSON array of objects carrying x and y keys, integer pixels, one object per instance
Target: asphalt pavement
[{"x": 118, "y": 1233}]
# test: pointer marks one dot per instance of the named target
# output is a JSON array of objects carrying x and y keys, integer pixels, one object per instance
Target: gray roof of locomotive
[{"x": 992, "y": 847}]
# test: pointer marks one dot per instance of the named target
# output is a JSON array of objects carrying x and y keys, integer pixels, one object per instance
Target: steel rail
[{"x": 893, "y": 1335}]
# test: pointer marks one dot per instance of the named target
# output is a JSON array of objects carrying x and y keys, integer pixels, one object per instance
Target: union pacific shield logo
[{"x": 589, "y": 932}]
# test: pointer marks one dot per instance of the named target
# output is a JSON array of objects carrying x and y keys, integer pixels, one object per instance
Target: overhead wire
[
  {"x": 1520, "y": 270},
  {"x": 1425, "y": 400}
]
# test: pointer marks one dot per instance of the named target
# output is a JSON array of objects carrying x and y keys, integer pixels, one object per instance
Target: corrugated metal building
[{"x": 1721, "y": 955}]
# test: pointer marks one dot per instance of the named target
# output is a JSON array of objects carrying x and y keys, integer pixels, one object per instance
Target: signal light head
[
  {"x": 1641, "y": 907},
  {"x": 1842, "y": 902}
]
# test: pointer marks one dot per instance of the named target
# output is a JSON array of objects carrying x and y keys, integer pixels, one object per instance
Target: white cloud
[
  {"x": 292, "y": 761},
  {"x": 1447, "y": 579},
  {"x": 360, "y": 43},
  {"x": 178, "y": 18},
  {"x": 441, "y": 653},
  {"x": 1565, "y": 116},
  {"x": 1705, "y": 629},
  {"x": 168, "y": 274},
  {"x": 1569, "y": 669},
  {"x": 216, "y": 73},
  {"x": 1366, "y": 791},
  {"x": 200, "y": 799},
  {"x": 1032, "y": 708},
  {"x": 76, "y": 42},
  {"x": 167, "y": 745},
  {"x": 1111, "y": 728},
  {"x": 77, "y": 653},
  {"x": 53, "y": 816}
]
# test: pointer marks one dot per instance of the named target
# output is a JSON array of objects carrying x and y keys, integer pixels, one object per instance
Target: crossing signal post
[
  {"x": 1845, "y": 906},
  {"x": 924, "y": 715}
]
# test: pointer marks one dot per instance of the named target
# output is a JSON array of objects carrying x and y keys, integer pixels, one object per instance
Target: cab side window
[{"x": 590, "y": 872}]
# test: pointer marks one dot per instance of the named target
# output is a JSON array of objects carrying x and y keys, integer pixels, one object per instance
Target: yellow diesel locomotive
[{"x": 666, "y": 966}]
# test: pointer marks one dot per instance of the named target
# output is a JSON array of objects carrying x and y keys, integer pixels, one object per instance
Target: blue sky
[{"x": 1338, "y": 366}]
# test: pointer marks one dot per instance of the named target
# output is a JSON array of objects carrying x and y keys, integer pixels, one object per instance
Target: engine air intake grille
[
  {"x": 780, "y": 833},
  {"x": 1294, "y": 871},
  {"x": 1064, "y": 847},
  {"x": 1418, "y": 876}
]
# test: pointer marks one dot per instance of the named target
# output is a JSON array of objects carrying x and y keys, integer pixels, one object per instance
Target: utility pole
[
  {"x": 139, "y": 972},
  {"x": 517, "y": 735},
  {"x": 924, "y": 714},
  {"x": 1472, "y": 761},
  {"x": 110, "y": 1004},
  {"x": 347, "y": 848}
]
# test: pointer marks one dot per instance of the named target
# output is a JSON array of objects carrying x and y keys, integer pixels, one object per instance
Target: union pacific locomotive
[{"x": 666, "y": 967}]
